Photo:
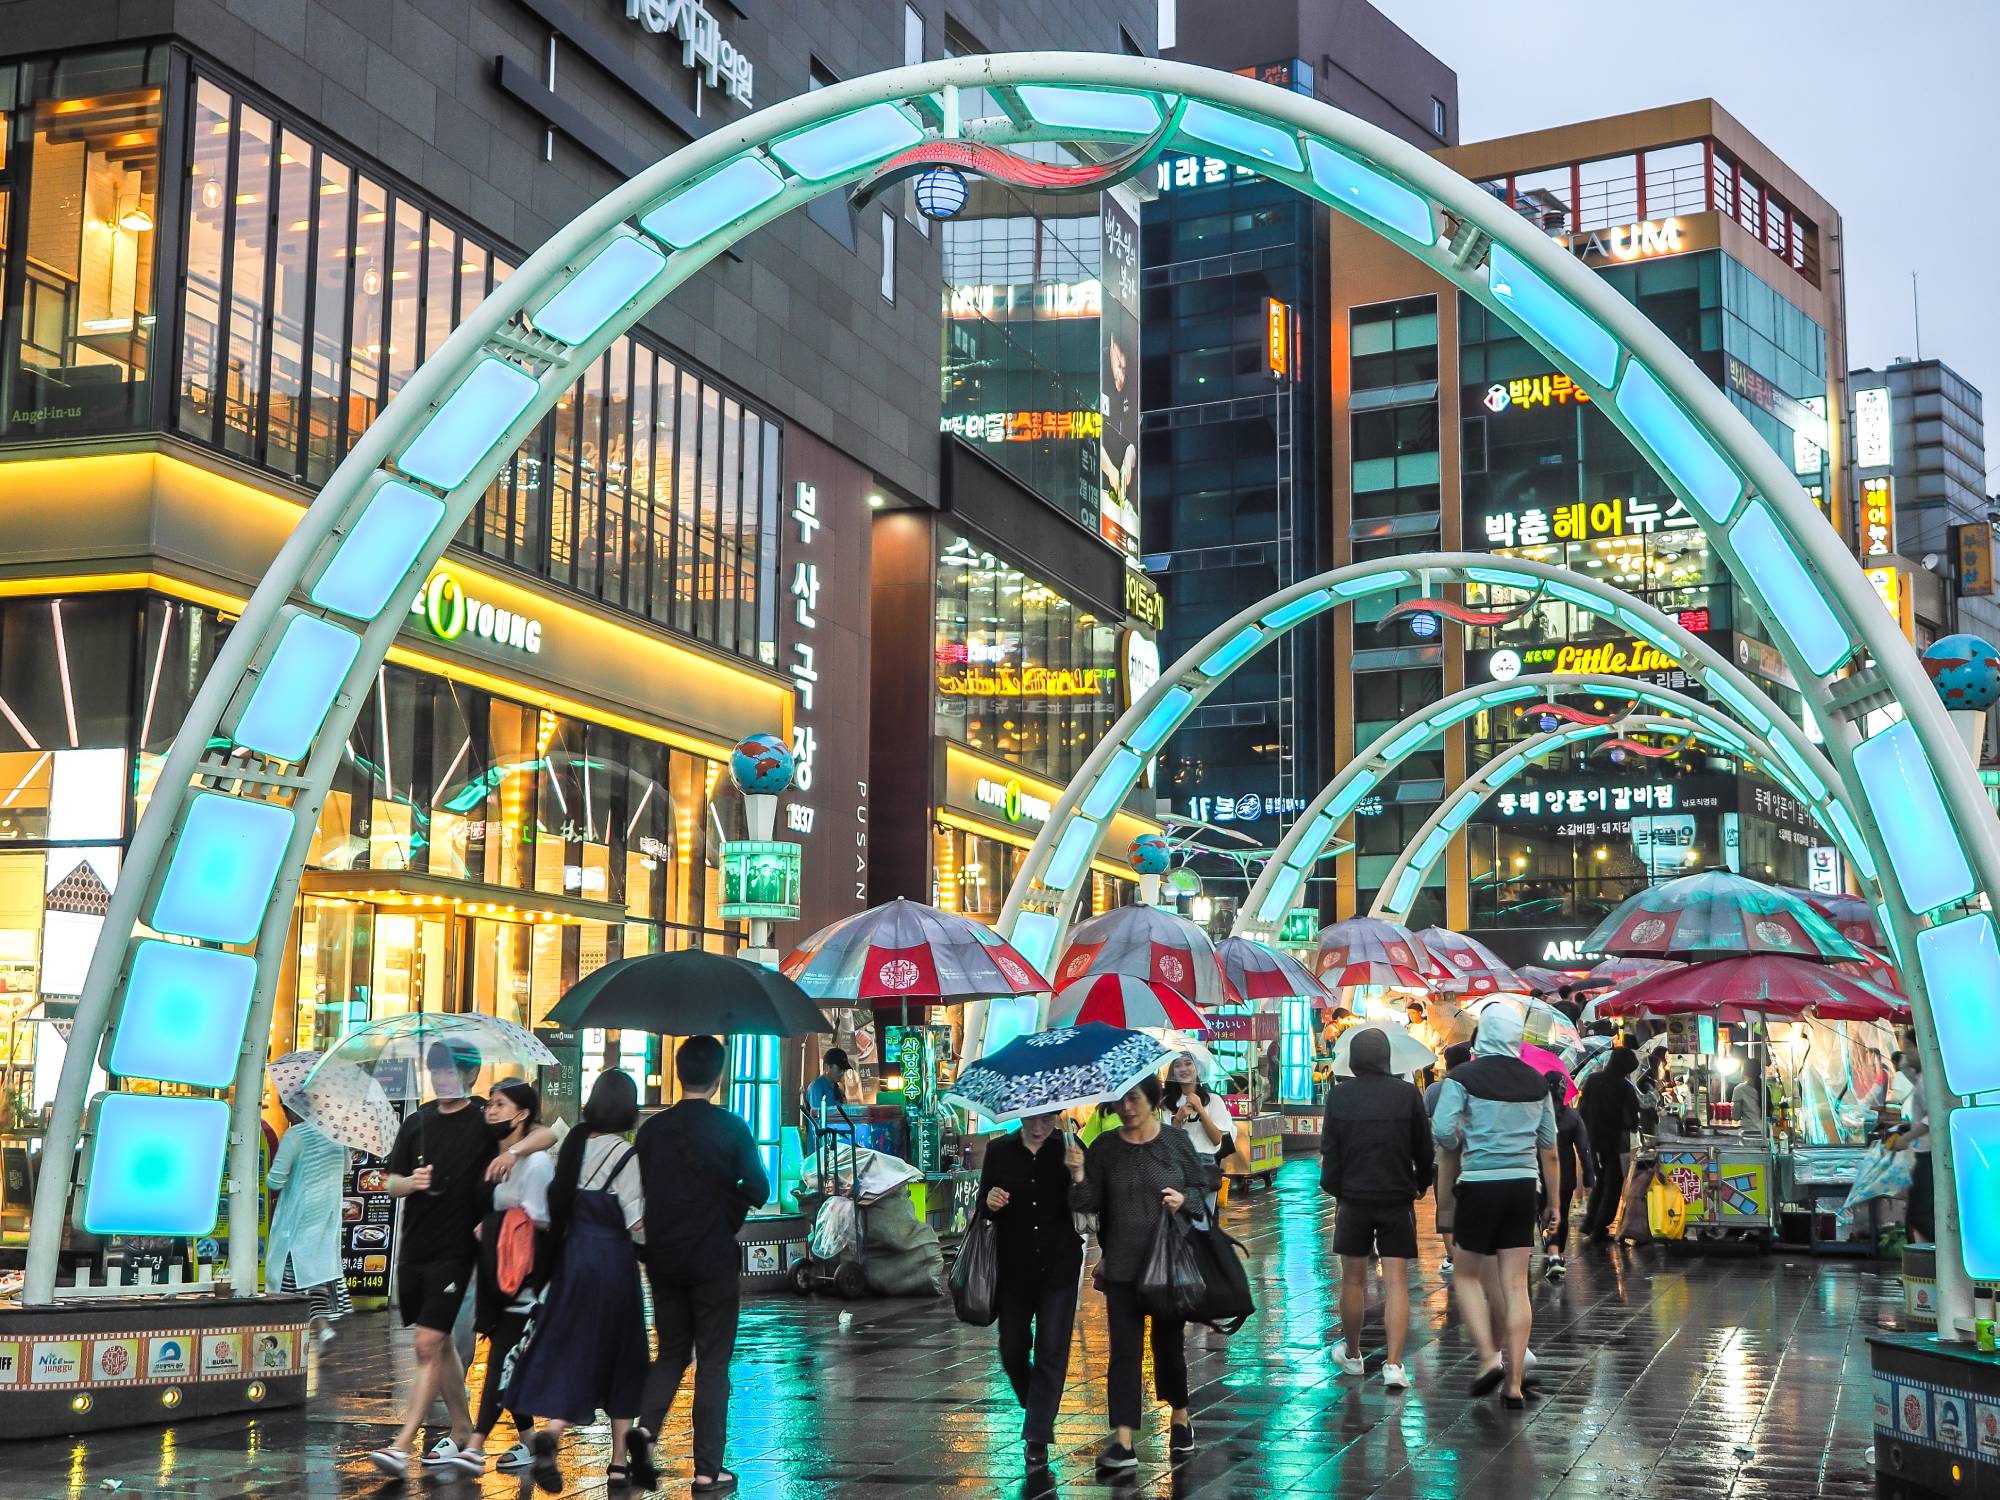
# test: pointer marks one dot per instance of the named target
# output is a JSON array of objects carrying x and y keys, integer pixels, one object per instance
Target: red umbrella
[
  {"x": 1874, "y": 968},
  {"x": 1121, "y": 1000},
  {"x": 1465, "y": 966},
  {"x": 1851, "y": 916},
  {"x": 912, "y": 954},
  {"x": 1257, "y": 971},
  {"x": 1758, "y": 984},
  {"x": 1367, "y": 950},
  {"x": 1616, "y": 971},
  {"x": 1717, "y": 915},
  {"x": 1150, "y": 944},
  {"x": 1537, "y": 980}
]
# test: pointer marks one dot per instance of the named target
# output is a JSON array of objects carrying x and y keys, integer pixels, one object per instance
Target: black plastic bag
[
  {"x": 1229, "y": 1303},
  {"x": 975, "y": 1275},
  {"x": 1170, "y": 1283}
]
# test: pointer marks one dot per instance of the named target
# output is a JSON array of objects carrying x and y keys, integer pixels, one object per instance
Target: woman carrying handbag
[{"x": 1190, "y": 1105}]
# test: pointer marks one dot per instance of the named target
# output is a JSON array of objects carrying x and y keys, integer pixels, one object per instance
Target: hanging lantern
[{"x": 941, "y": 192}]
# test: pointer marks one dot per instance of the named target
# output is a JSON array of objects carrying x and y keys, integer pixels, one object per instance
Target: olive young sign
[
  {"x": 450, "y": 613},
  {"x": 1014, "y": 804}
]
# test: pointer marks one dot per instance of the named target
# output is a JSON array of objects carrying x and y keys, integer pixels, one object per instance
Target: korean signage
[
  {"x": 1578, "y": 801},
  {"x": 1586, "y": 520},
  {"x": 1799, "y": 416},
  {"x": 1247, "y": 807},
  {"x": 1277, "y": 337},
  {"x": 760, "y": 880},
  {"x": 1005, "y": 681},
  {"x": 1823, "y": 870},
  {"x": 1118, "y": 376},
  {"x": 1627, "y": 658},
  {"x": 1195, "y": 171},
  {"x": 1780, "y": 807},
  {"x": 1878, "y": 516},
  {"x": 1143, "y": 600},
  {"x": 367, "y": 1228},
  {"x": 1012, "y": 802},
  {"x": 714, "y": 59},
  {"x": 1527, "y": 392},
  {"x": 1887, "y": 581},
  {"x": 449, "y": 612},
  {"x": 1973, "y": 545},
  {"x": 1024, "y": 426},
  {"x": 803, "y": 667},
  {"x": 1874, "y": 441}
]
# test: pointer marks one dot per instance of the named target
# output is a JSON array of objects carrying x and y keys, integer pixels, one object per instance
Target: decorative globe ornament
[
  {"x": 1965, "y": 671},
  {"x": 761, "y": 765},
  {"x": 1149, "y": 854},
  {"x": 941, "y": 192}
]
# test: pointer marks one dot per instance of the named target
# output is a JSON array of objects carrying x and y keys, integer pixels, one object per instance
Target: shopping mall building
[
  {"x": 228, "y": 238},
  {"x": 1452, "y": 434}
]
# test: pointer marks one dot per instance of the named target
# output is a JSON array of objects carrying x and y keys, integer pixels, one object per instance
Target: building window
[
  {"x": 913, "y": 36},
  {"x": 1438, "y": 120},
  {"x": 888, "y": 257}
]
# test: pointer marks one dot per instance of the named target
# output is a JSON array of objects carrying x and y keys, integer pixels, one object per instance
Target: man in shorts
[
  {"x": 1375, "y": 1161},
  {"x": 1496, "y": 1126}
]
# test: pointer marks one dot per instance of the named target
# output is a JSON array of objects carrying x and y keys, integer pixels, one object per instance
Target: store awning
[{"x": 466, "y": 898}]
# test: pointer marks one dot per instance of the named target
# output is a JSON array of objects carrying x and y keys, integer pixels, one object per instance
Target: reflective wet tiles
[{"x": 1716, "y": 1376}]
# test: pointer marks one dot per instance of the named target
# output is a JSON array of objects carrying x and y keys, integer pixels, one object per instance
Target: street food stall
[
  {"x": 1239, "y": 1037},
  {"x": 1279, "y": 1101}
]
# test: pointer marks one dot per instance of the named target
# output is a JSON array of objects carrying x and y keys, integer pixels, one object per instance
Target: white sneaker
[
  {"x": 1395, "y": 1378},
  {"x": 1445, "y": 1265},
  {"x": 520, "y": 1456},
  {"x": 1349, "y": 1364},
  {"x": 444, "y": 1454},
  {"x": 1528, "y": 1363}
]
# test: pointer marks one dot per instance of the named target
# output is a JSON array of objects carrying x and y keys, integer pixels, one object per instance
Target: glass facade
[
  {"x": 1022, "y": 674},
  {"x": 308, "y": 291}
]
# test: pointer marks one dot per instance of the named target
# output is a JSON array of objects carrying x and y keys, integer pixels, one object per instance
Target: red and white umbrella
[
  {"x": 1144, "y": 942},
  {"x": 902, "y": 952},
  {"x": 1875, "y": 969},
  {"x": 1368, "y": 950},
  {"x": 1852, "y": 917},
  {"x": 1466, "y": 965},
  {"x": 1758, "y": 985},
  {"x": 1257, "y": 971},
  {"x": 1536, "y": 980},
  {"x": 1717, "y": 915},
  {"x": 1616, "y": 971},
  {"x": 1121, "y": 1000}
]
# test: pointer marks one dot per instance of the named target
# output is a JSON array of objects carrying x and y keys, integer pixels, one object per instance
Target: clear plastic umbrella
[
  {"x": 1541, "y": 1023},
  {"x": 395, "y": 1051},
  {"x": 1406, "y": 1053}
]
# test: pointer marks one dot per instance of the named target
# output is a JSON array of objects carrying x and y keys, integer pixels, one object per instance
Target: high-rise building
[
  {"x": 1451, "y": 432},
  {"x": 1238, "y": 275}
]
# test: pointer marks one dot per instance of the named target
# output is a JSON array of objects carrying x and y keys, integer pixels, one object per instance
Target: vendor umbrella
[
  {"x": 1065, "y": 1067},
  {"x": 1876, "y": 970},
  {"x": 1257, "y": 971},
  {"x": 1467, "y": 966},
  {"x": 689, "y": 993},
  {"x": 1717, "y": 915},
  {"x": 1121, "y": 1000},
  {"x": 1536, "y": 980},
  {"x": 912, "y": 954},
  {"x": 1613, "y": 972},
  {"x": 1760, "y": 984},
  {"x": 1368, "y": 950},
  {"x": 1147, "y": 943},
  {"x": 1406, "y": 1053},
  {"x": 1852, "y": 917}
]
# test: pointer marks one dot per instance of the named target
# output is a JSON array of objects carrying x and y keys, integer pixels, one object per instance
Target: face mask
[{"x": 502, "y": 1129}]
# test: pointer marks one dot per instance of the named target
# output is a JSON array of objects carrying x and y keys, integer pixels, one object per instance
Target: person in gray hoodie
[{"x": 1497, "y": 1129}]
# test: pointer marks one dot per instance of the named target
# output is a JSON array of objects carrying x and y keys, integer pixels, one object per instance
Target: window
[
  {"x": 1438, "y": 120},
  {"x": 1169, "y": 24},
  {"x": 913, "y": 36},
  {"x": 888, "y": 257}
]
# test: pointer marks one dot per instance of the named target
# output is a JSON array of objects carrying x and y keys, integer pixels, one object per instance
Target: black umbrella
[{"x": 690, "y": 993}]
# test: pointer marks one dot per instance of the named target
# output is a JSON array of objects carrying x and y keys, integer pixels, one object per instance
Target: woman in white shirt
[{"x": 1202, "y": 1113}]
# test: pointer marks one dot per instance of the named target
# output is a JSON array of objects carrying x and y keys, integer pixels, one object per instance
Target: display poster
[
  {"x": 367, "y": 1228},
  {"x": 1118, "y": 447}
]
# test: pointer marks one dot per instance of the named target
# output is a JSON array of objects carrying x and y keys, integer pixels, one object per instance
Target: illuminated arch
[
  {"x": 1427, "y": 845},
  {"x": 216, "y": 858},
  {"x": 1812, "y": 781}
]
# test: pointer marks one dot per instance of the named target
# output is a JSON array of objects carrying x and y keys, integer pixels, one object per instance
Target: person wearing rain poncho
[{"x": 1496, "y": 1124}]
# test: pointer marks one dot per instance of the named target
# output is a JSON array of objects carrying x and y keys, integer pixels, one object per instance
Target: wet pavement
[{"x": 1728, "y": 1376}]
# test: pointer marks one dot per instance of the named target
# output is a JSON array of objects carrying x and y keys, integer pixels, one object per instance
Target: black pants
[
  {"x": 698, "y": 1319},
  {"x": 1128, "y": 1337},
  {"x": 507, "y": 1329},
  {"x": 1037, "y": 1320},
  {"x": 1923, "y": 1200},
  {"x": 1602, "y": 1210},
  {"x": 1558, "y": 1242}
]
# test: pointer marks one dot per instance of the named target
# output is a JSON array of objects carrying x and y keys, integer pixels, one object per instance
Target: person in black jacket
[
  {"x": 1375, "y": 1161},
  {"x": 1610, "y": 1110},
  {"x": 1024, "y": 1189},
  {"x": 1573, "y": 1161}
]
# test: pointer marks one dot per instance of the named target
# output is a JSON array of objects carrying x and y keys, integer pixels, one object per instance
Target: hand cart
[{"x": 844, "y": 1273}]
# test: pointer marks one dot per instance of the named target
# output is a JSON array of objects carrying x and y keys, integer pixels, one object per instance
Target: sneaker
[
  {"x": 1555, "y": 1266},
  {"x": 1350, "y": 1364},
  {"x": 444, "y": 1454},
  {"x": 1180, "y": 1438},
  {"x": 517, "y": 1457},
  {"x": 391, "y": 1461},
  {"x": 1116, "y": 1457},
  {"x": 1395, "y": 1378},
  {"x": 327, "y": 1335},
  {"x": 1444, "y": 1266}
]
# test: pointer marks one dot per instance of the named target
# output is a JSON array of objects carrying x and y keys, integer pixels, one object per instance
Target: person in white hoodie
[{"x": 1496, "y": 1132}]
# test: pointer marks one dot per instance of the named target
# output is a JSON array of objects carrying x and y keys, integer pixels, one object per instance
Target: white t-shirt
[
  {"x": 527, "y": 1186},
  {"x": 1917, "y": 1112},
  {"x": 1217, "y": 1112}
]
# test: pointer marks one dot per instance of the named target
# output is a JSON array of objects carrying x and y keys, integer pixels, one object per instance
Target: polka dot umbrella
[{"x": 347, "y": 1105}]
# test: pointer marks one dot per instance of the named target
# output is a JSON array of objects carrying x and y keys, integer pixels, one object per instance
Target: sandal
[
  {"x": 1487, "y": 1381},
  {"x": 548, "y": 1478},
  {"x": 716, "y": 1486},
  {"x": 616, "y": 1476},
  {"x": 639, "y": 1459}
]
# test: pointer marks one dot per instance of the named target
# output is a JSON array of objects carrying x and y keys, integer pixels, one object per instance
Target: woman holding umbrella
[{"x": 304, "y": 1249}]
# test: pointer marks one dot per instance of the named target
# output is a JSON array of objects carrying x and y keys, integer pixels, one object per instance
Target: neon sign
[
  {"x": 1530, "y": 391},
  {"x": 1014, "y": 804},
  {"x": 1277, "y": 338},
  {"x": 1042, "y": 299},
  {"x": 1024, "y": 426},
  {"x": 1027, "y": 682},
  {"x": 450, "y": 612},
  {"x": 1878, "y": 517},
  {"x": 1637, "y": 241},
  {"x": 1584, "y": 520},
  {"x": 1874, "y": 439}
]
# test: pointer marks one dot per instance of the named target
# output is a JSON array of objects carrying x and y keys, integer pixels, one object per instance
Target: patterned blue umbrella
[{"x": 1068, "y": 1067}]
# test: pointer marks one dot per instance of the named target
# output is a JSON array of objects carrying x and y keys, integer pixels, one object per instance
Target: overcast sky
[{"x": 1892, "y": 111}]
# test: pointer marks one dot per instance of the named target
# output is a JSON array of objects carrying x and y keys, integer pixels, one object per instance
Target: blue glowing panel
[
  {"x": 1461, "y": 813},
  {"x": 1507, "y": 768},
  {"x": 1407, "y": 885},
  {"x": 717, "y": 201},
  {"x": 182, "y": 1020},
  {"x": 1228, "y": 131},
  {"x": 1073, "y": 851},
  {"x": 1115, "y": 781},
  {"x": 1961, "y": 966},
  {"x": 1158, "y": 724},
  {"x": 1356, "y": 588},
  {"x": 824, "y": 152},
  {"x": 219, "y": 877},
  {"x": 375, "y": 556},
  {"x": 1689, "y": 456},
  {"x": 1503, "y": 578},
  {"x": 1850, "y": 839},
  {"x": 1910, "y": 815},
  {"x": 1095, "y": 110},
  {"x": 1312, "y": 840},
  {"x": 618, "y": 273},
  {"x": 1560, "y": 323},
  {"x": 471, "y": 422},
  {"x": 1430, "y": 848},
  {"x": 154, "y": 1164},
  {"x": 1720, "y": 734},
  {"x": 1802, "y": 773},
  {"x": 1034, "y": 937},
  {"x": 1299, "y": 609},
  {"x": 1640, "y": 626},
  {"x": 1794, "y": 600},
  {"x": 1225, "y": 657},
  {"x": 1278, "y": 900},
  {"x": 1405, "y": 742},
  {"x": 1581, "y": 598},
  {"x": 1370, "y": 194},
  {"x": 1738, "y": 703},
  {"x": 296, "y": 688},
  {"x": 1350, "y": 796},
  {"x": 1445, "y": 718},
  {"x": 1975, "y": 1147}
]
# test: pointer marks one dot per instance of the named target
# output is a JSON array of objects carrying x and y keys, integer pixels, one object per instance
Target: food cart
[{"x": 1239, "y": 1038}]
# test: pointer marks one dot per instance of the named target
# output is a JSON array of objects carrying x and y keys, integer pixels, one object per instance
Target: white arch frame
[
  {"x": 1275, "y": 889},
  {"x": 225, "y": 834}
]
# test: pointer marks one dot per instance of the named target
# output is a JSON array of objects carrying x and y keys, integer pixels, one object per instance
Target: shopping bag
[
  {"x": 1170, "y": 1280},
  {"x": 975, "y": 1276},
  {"x": 1221, "y": 1258},
  {"x": 833, "y": 1229},
  {"x": 514, "y": 1250},
  {"x": 1666, "y": 1209}
]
